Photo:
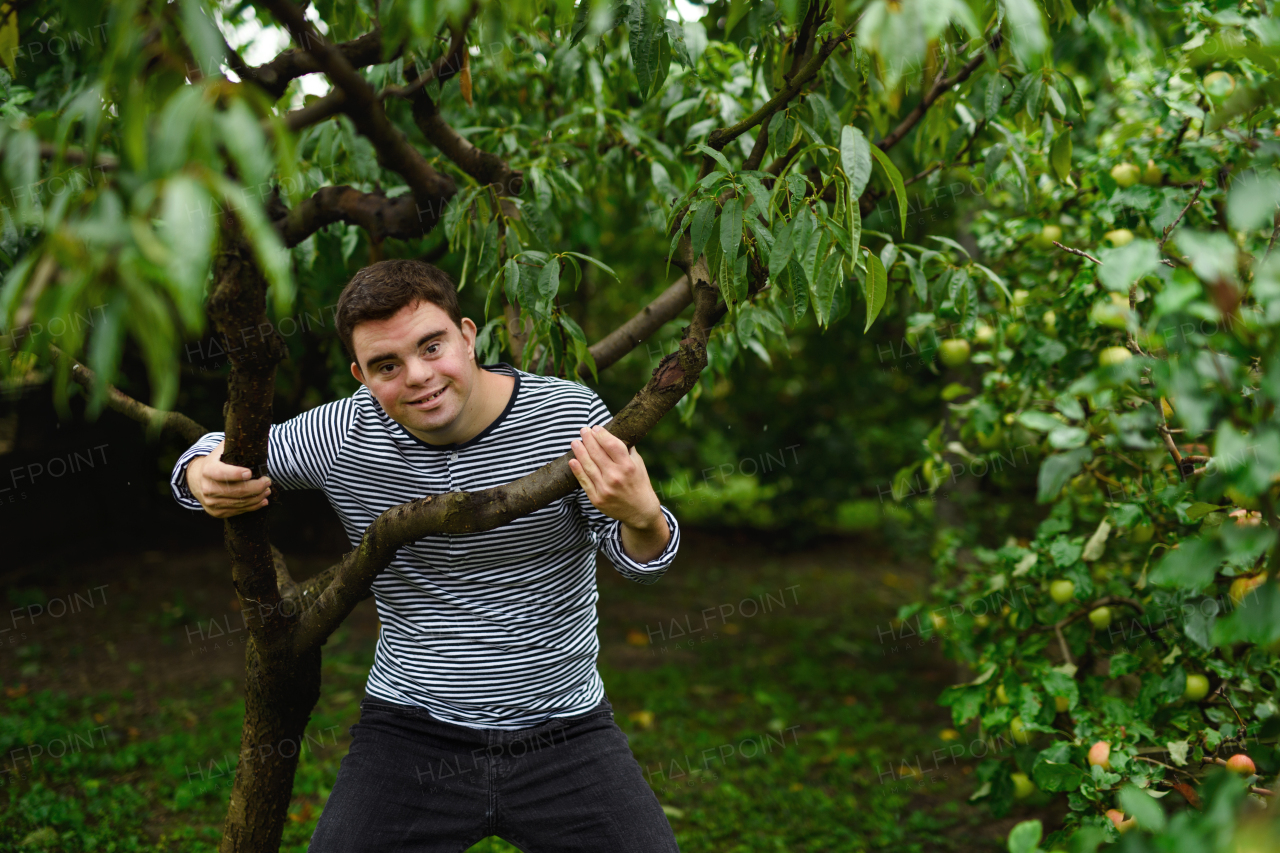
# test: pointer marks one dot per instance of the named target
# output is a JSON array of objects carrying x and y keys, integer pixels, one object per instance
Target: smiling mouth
[{"x": 424, "y": 400}]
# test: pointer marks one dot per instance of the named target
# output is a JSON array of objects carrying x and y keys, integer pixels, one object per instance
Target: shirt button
[{"x": 453, "y": 457}]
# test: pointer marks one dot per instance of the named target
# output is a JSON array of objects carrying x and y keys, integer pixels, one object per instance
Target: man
[{"x": 484, "y": 713}]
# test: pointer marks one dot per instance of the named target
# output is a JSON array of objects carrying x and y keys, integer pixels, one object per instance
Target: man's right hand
[{"x": 225, "y": 490}]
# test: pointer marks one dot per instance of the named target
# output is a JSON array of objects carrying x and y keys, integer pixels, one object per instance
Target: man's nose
[{"x": 418, "y": 372}]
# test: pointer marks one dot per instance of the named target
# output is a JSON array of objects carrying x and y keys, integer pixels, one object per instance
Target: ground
[{"x": 766, "y": 695}]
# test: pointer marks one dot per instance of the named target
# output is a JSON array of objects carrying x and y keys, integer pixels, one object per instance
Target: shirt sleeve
[
  {"x": 300, "y": 452},
  {"x": 606, "y": 532}
]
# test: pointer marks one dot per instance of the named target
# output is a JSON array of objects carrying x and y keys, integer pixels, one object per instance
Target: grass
[{"x": 780, "y": 723}]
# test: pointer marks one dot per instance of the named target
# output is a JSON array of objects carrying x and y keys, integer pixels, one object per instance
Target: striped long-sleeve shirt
[{"x": 495, "y": 629}]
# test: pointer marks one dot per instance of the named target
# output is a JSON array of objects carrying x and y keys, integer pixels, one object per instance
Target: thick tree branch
[
  {"x": 484, "y": 167},
  {"x": 430, "y": 188},
  {"x": 380, "y": 216},
  {"x": 313, "y": 113},
  {"x": 274, "y": 77}
]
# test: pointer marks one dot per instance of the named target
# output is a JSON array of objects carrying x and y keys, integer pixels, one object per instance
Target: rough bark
[{"x": 281, "y": 688}]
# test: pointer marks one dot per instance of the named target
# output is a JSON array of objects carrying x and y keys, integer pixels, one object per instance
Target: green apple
[
  {"x": 1119, "y": 237},
  {"x": 1061, "y": 704},
  {"x": 1152, "y": 176},
  {"x": 1100, "y": 617},
  {"x": 1197, "y": 688},
  {"x": 1141, "y": 533},
  {"x": 983, "y": 333},
  {"x": 953, "y": 352},
  {"x": 1112, "y": 356},
  {"x": 1002, "y": 695},
  {"x": 1062, "y": 591},
  {"x": 1219, "y": 84},
  {"x": 1021, "y": 297},
  {"x": 1050, "y": 320},
  {"x": 1048, "y": 234},
  {"x": 982, "y": 620},
  {"x": 1018, "y": 731},
  {"x": 1023, "y": 787},
  {"x": 1125, "y": 174}
]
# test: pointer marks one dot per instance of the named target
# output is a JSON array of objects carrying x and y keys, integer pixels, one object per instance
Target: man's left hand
[{"x": 617, "y": 484}]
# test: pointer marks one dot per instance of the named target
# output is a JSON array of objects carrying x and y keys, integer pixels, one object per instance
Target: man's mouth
[{"x": 424, "y": 401}]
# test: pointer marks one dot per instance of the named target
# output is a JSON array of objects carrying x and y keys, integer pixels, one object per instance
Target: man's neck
[{"x": 490, "y": 393}]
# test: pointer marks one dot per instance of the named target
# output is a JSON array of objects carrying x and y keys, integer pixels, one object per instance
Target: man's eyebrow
[{"x": 388, "y": 356}]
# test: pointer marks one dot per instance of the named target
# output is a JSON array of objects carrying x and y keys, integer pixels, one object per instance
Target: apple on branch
[{"x": 1100, "y": 755}]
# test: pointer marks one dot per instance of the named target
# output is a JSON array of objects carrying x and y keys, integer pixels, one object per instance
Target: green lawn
[{"x": 783, "y": 724}]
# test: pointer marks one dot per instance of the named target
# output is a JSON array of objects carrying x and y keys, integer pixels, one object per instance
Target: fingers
[
  {"x": 227, "y": 490},
  {"x": 586, "y": 464},
  {"x": 614, "y": 447}
]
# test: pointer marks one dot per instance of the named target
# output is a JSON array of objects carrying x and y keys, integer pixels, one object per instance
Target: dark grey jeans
[{"x": 411, "y": 782}]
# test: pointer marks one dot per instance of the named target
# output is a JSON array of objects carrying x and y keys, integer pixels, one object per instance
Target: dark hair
[{"x": 379, "y": 290}]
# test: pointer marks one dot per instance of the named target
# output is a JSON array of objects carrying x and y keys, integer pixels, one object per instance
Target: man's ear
[
  {"x": 469, "y": 333},
  {"x": 355, "y": 371}
]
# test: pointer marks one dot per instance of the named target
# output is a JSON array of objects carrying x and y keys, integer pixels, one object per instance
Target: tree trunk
[{"x": 280, "y": 689}]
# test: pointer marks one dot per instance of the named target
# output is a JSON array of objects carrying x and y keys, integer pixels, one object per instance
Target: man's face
[{"x": 418, "y": 365}]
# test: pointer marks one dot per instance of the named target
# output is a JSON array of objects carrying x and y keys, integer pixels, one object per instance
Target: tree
[{"x": 1130, "y": 204}]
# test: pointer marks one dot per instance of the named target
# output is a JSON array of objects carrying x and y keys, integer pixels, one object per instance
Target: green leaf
[
  {"x": 1056, "y": 470},
  {"x": 1122, "y": 267},
  {"x": 855, "y": 159},
  {"x": 995, "y": 96},
  {"x": 703, "y": 218},
  {"x": 780, "y": 255},
  {"x": 512, "y": 290},
  {"x": 731, "y": 226},
  {"x": 601, "y": 264},
  {"x": 995, "y": 154},
  {"x": 895, "y": 178},
  {"x": 1060, "y": 157},
  {"x": 875, "y": 288},
  {"x": 717, "y": 156},
  {"x": 949, "y": 242},
  {"x": 1025, "y": 837},
  {"x": 188, "y": 229},
  {"x": 243, "y": 137},
  {"x": 645, "y": 26},
  {"x": 1145, "y": 808},
  {"x": 493, "y": 288},
  {"x": 1191, "y": 566},
  {"x": 549, "y": 280},
  {"x": 824, "y": 288}
]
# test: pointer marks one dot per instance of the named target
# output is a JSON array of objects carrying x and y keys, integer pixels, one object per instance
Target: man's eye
[{"x": 433, "y": 348}]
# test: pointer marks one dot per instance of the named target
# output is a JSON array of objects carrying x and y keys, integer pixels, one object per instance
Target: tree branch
[
  {"x": 274, "y": 77},
  {"x": 175, "y": 422},
  {"x": 380, "y": 216},
  {"x": 484, "y": 167},
  {"x": 313, "y": 113},
  {"x": 666, "y": 307},
  {"x": 720, "y": 137},
  {"x": 430, "y": 188},
  {"x": 939, "y": 87}
]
